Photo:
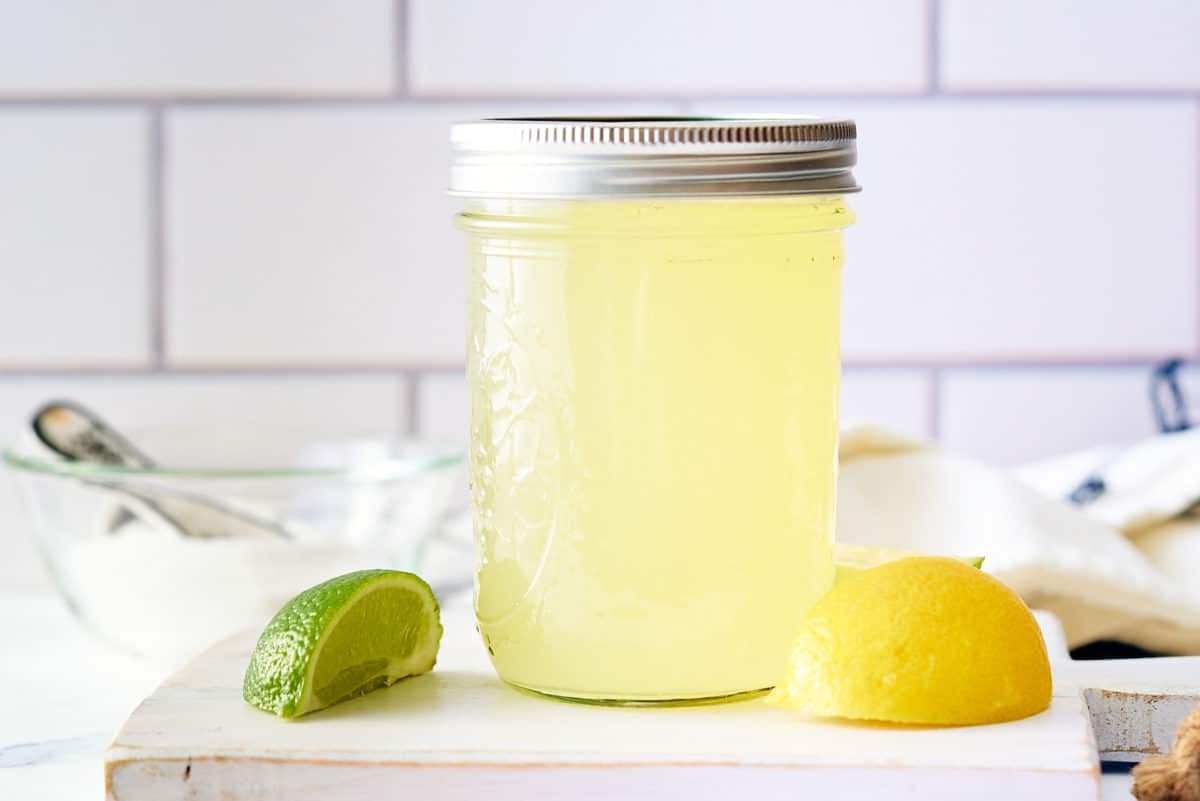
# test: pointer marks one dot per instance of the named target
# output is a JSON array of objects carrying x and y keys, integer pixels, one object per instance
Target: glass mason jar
[{"x": 653, "y": 361}]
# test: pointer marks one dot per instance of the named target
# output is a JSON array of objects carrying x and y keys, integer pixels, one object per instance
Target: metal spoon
[{"x": 78, "y": 435}]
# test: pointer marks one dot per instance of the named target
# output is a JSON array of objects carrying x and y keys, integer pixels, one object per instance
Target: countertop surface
[{"x": 66, "y": 693}]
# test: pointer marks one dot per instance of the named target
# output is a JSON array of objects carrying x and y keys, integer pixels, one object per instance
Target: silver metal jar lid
[{"x": 570, "y": 157}]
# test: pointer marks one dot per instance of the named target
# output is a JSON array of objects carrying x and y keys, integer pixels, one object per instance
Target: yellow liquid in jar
[{"x": 654, "y": 391}]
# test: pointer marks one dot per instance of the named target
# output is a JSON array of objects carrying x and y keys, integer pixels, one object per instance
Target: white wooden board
[{"x": 460, "y": 733}]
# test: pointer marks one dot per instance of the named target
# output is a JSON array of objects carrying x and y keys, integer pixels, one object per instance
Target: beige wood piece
[{"x": 1136, "y": 704}]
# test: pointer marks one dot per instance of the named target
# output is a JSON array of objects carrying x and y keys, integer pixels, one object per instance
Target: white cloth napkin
[{"x": 1123, "y": 567}]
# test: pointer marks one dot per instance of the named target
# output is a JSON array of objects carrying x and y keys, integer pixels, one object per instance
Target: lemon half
[{"x": 923, "y": 640}]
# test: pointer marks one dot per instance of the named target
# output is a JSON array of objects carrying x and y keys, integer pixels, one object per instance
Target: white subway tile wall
[
  {"x": 1023, "y": 230},
  {"x": 300, "y": 236},
  {"x": 232, "y": 212},
  {"x": 1092, "y": 45},
  {"x": 81, "y": 48},
  {"x": 443, "y": 407},
  {"x": 1019, "y": 414},
  {"x": 631, "y": 47},
  {"x": 899, "y": 399},
  {"x": 74, "y": 234}
]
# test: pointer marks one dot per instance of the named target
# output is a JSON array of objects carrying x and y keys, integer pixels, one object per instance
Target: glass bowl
[{"x": 230, "y": 525}]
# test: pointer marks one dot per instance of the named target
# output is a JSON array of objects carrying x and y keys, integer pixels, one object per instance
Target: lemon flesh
[
  {"x": 922, "y": 640},
  {"x": 342, "y": 639},
  {"x": 852, "y": 559}
]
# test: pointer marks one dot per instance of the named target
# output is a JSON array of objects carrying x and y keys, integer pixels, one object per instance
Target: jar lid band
[{"x": 652, "y": 157}]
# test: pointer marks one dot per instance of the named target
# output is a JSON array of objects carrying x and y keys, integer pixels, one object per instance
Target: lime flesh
[{"x": 342, "y": 639}]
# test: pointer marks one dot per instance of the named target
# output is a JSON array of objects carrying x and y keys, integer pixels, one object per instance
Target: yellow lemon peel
[{"x": 924, "y": 640}]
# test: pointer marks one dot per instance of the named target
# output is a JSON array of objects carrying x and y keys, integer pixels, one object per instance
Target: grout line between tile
[
  {"x": 442, "y": 371},
  {"x": 933, "y": 44},
  {"x": 412, "y": 402},
  {"x": 1033, "y": 94},
  {"x": 400, "y": 48},
  {"x": 431, "y": 369},
  {"x": 1018, "y": 362},
  {"x": 156, "y": 278},
  {"x": 262, "y": 371}
]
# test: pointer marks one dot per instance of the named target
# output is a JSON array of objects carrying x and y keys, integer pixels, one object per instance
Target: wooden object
[
  {"x": 460, "y": 733},
  {"x": 1135, "y": 704}
]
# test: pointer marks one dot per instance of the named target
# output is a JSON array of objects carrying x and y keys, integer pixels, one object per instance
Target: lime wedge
[
  {"x": 851, "y": 559},
  {"x": 342, "y": 639}
]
